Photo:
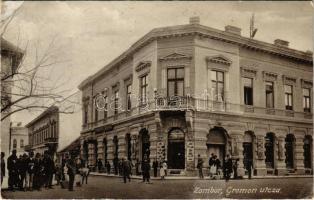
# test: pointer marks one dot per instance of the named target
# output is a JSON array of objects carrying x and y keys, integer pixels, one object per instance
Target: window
[
  {"x": 128, "y": 97},
  {"x": 116, "y": 101},
  {"x": 85, "y": 114},
  {"x": 21, "y": 143},
  {"x": 306, "y": 100},
  {"x": 105, "y": 107},
  {"x": 143, "y": 88},
  {"x": 218, "y": 85},
  {"x": 96, "y": 114},
  {"x": 269, "y": 94},
  {"x": 248, "y": 91},
  {"x": 288, "y": 97},
  {"x": 14, "y": 143},
  {"x": 175, "y": 82},
  {"x": 307, "y": 151}
]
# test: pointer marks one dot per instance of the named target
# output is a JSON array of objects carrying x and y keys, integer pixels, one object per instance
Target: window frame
[
  {"x": 273, "y": 94},
  {"x": 143, "y": 86},
  {"x": 215, "y": 84},
  {"x": 176, "y": 80},
  {"x": 128, "y": 97},
  {"x": 306, "y": 99},
  {"x": 288, "y": 97},
  {"x": 246, "y": 100}
]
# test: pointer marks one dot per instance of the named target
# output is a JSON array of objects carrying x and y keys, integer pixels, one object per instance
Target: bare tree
[{"x": 29, "y": 85}]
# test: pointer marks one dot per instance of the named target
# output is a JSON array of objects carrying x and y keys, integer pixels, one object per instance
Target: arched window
[
  {"x": 14, "y": 143},
  {"x": 269, "y": 150},
  {"x": 307, "y": 151},
  {"x": 290, "y": 140},
  {"x": 21, "y": 143}
]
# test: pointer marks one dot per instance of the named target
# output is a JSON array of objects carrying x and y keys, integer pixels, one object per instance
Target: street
[{"x": 111, "y": 187}]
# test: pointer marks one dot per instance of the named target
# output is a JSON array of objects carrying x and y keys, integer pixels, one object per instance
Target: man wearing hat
[
  {"x": 70, "y": 163},
  {"x": 13, "y": 170}
]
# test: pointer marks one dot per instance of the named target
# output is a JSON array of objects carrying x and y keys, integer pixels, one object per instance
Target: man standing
[
  {"x": 146, "y": 169},
  {"x": 200, "y": 166},
  {"x": 249, "y": 167},
  {"x": 13, "y": 170},
  {"x": 99, "y": 164},
  {"x": 228, "y": 168},
  {"x": 71, "y": 170},
  {"x": 155, "y": 167},
  {"x": 2, "y": 167},
  {"x": 30, "y": 171},
  {"x": 126, "y": 170},
  {"x": 108, "y": 167},
  {"x": 22, "y": 171},
  {"x": 48, "y": 169}
]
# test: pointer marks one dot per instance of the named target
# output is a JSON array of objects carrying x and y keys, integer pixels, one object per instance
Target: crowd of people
[
  {"x": 218, "y": 171},
  {"x": 34, "y": 172}
]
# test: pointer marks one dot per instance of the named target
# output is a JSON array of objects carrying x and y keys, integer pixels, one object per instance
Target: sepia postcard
[{"x": 156, "y": 100}]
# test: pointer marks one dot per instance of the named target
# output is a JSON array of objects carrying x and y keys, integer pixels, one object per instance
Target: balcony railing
[{"x": 191, "y": 103}]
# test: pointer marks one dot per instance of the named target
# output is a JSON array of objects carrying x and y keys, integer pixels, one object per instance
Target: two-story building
[
  {"x": 19, "y": 137},
  {"x": 189, "y": 90}
]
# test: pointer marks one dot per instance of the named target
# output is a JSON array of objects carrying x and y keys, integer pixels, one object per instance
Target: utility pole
[{"x": 252, "y": 29}]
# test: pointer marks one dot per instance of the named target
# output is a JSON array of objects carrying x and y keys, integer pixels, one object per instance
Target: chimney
[
  {"x": 233, "y": 29},
  {"x": 195, "y": 20},
  {"x": 281, "y": 43}
]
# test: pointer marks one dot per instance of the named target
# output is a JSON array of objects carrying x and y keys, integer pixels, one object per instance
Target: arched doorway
[
  {"x": 290, "y": 140},
  {"x": 248, "y": 147},
  {"x": 105, "y": 146},
  {"x": 176, "y": 149},
  {"x": 145, "y": 143},
  {"x": 216, "y": 143},
  {"x": 128, "y": 146},
  {"x": 307, "y": 152},
  {"x": 269, "y": 150}
]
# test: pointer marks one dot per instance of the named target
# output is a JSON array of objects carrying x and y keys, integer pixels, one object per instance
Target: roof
[
  {"x": 197, "y": 29},
  {"x": 72, "y": 146},
  {"x": 6, "y": 45},
  {"x": 48, "y": 110}
]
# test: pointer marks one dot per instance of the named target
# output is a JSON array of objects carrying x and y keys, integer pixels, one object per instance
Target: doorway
[{"x": 176, "y": 149}]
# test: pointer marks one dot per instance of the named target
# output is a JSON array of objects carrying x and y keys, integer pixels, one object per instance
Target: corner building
[{"x": 202, "y": 91}]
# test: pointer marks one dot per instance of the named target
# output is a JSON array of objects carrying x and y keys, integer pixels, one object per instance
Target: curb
[{"x": 196, "y": 178}]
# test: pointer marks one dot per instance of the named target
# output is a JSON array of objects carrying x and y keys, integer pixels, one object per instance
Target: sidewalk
[{"x": 196, "y": 178}]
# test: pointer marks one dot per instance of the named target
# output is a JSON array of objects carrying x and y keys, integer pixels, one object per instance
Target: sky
[{"x": 88, "y": 35}]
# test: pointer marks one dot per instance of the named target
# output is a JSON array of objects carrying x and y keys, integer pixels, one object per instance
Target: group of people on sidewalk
[
  {"x": 123, "y": 167},
  {"x": 218, "y": 171},
  {"x": 29, "y": 172}
]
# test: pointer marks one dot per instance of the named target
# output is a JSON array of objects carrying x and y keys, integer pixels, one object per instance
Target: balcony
[{"x": 182, "y": 103}]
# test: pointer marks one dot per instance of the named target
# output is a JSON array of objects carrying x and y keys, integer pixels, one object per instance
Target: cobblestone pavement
[{"x": 110, "y": 187}]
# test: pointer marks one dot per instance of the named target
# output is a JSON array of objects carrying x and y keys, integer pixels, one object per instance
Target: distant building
[
  {"x": 43, "y": 131},
  {"x": 56, "y": 127},
  {"x": 19, "y": 138},
  {"x": 10, "y": 59},
  {"x": 189, "y": 90}
]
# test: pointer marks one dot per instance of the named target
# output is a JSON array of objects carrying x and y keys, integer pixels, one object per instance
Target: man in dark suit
[
  {"x": 2, "y": 166},
  {"x": 13, "y": 170},
  {"x": 70, "y": 163},
  {"x": 228, "y": 167}
]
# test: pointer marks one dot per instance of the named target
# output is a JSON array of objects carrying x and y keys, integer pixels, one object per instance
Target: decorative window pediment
[
  {"x": 220, "y": 59},
  {"x": 269, "y": 76},
  {"x": 175, "y": 56},
  {"x": 116, "y": 86},
  {"x": 142, "y": 65},
  {"x": 306, "y": 83},
  {"x": 248, "y": 72},
  {"x": 287, "y": 80}
]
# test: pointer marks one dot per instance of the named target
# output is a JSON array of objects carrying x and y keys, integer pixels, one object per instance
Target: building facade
[
  {"x": 190, "y": 90},
  {"x": 43, "y": 132},
  {"x": 19, "y": 138},
  {"x": 10, "y": 59}
]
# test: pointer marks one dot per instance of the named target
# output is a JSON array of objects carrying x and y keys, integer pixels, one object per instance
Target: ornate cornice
[
  {"x": 288, "y": 80},
  {"x": 142, "y": 65},
  {"x": 220, "y": 59},
  {"x": 175, "y": 56},
  {"x": 306, "y": 83},
  {"x": 248, "y": 72},
  {"x": 207, "y": 32},
  {"x": 269, "y": 76}
]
